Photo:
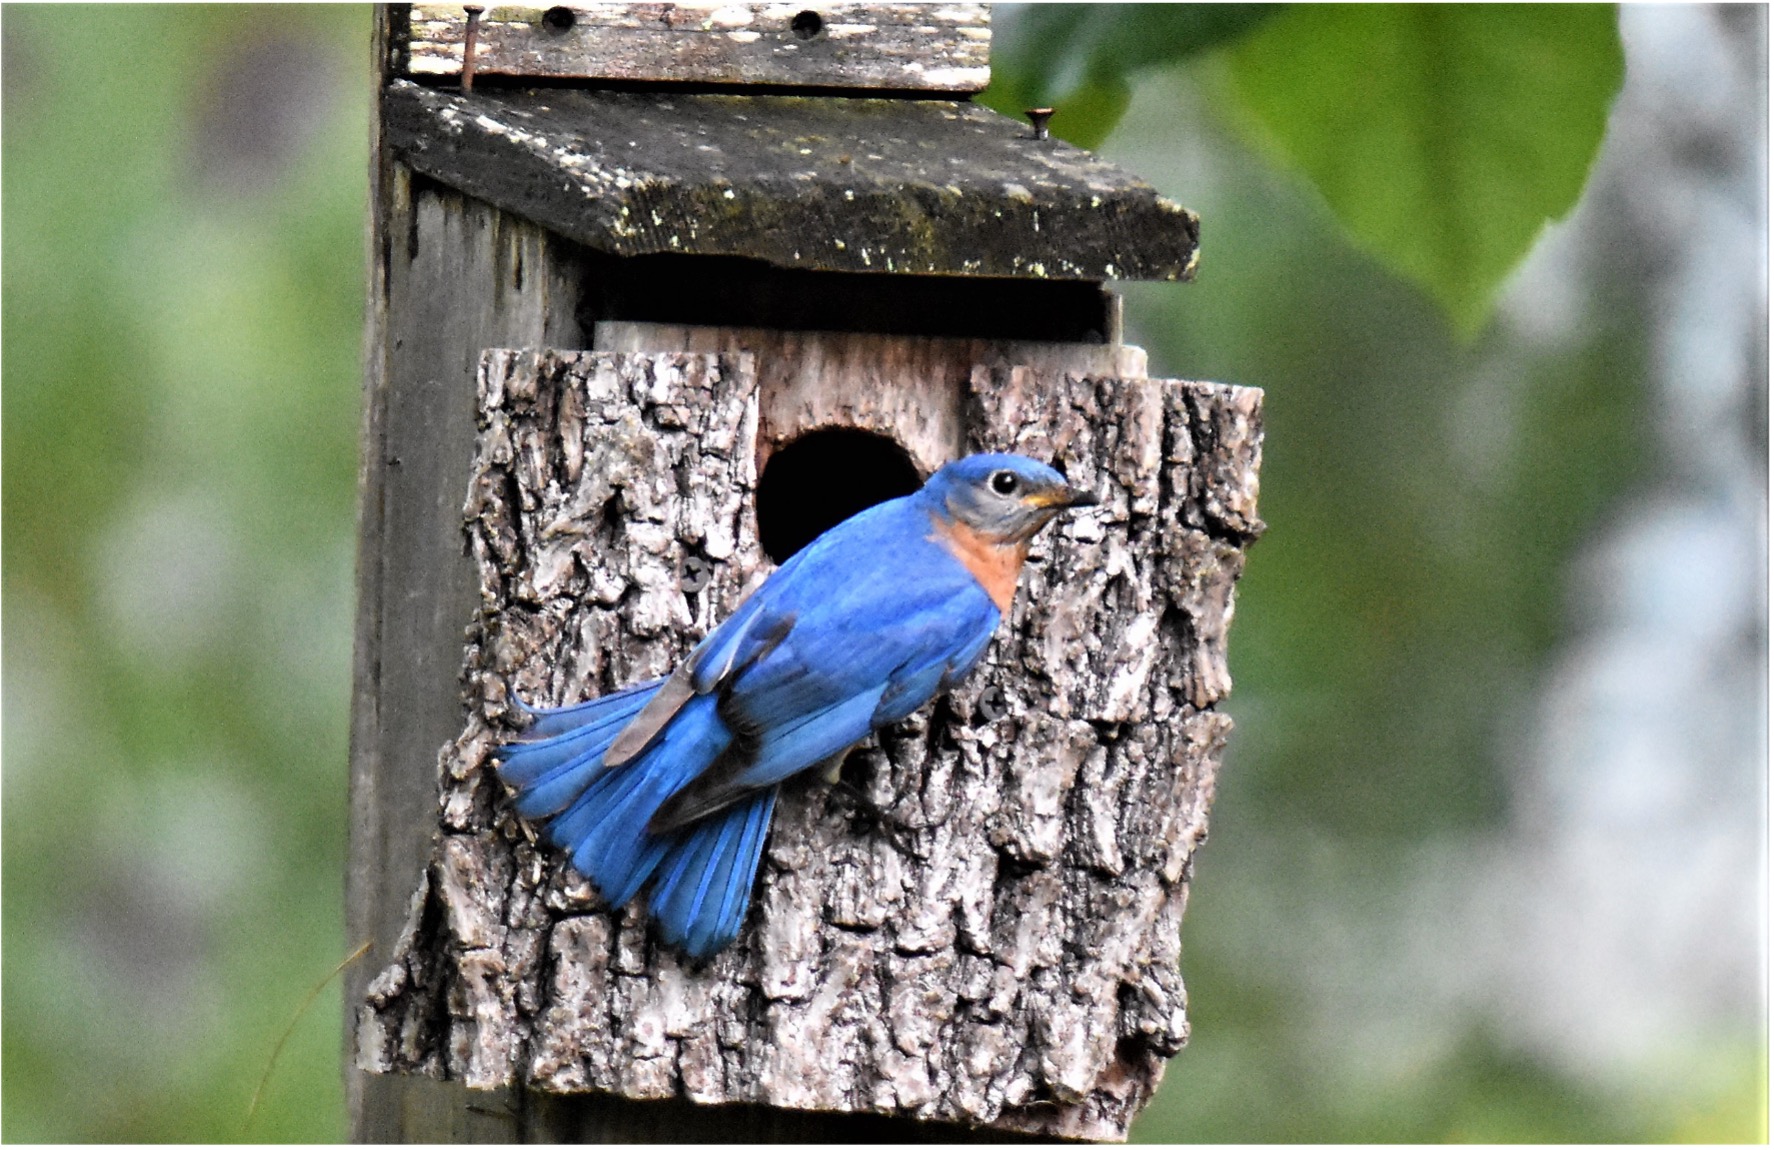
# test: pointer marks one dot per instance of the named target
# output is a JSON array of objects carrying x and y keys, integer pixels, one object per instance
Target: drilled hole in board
[
  {"x": 807, "y": 24},
  {"x": 823, "y": 478},
  {"x": 558, "y": 21}
]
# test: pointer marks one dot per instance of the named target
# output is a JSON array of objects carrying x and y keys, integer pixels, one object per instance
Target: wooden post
[{"x": 986, "y": 946}]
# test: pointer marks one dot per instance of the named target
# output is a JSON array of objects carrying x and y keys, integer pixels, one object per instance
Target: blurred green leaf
[
  {"x": 1444, "y": 137},
  {"x": 1076, "y": 58},
  {"x": 1089, "y": 112},
  {"x": 185, "y": 190}
]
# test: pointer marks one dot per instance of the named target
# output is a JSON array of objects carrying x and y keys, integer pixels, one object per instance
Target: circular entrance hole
[
  {"x": 823, "y": 478},
  {"x": 807, "y": 24},
  {"x": 558, "y": 21}
]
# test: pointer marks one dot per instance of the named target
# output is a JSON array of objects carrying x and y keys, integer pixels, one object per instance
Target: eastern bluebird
[{"x": 673, "y": 781}]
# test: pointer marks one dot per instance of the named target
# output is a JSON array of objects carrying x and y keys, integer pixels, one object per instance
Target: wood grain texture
[
  {"x": 990, "y": 938},
  {"x": 509, "y": 283},
  {"x": 910, "y": 388},
  {"x": 909, "y": 187},
  {"x": 903, "y": 47}
]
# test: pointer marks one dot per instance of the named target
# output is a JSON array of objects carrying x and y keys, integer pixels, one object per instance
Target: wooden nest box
[{"x": 663, "y": 291}]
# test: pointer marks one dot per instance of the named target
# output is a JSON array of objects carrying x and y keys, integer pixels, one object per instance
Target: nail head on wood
[{"x": 473, "y": 12}]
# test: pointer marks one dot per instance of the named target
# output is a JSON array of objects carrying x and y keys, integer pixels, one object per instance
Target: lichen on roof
[{"x": 931, "y": 187}]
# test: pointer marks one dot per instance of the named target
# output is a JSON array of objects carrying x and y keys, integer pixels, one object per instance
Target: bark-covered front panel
[{"x": 987, "y": 932}]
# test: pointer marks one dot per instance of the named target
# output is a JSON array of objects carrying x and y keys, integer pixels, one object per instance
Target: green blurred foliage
[
  {"x": 1388, "y": 628},
  {"x": 1079, "y": 58},
  {"x": 1444, "y": 137},
  {"x": 183, "y": 246},
  {"x": 1425, "y": 497}
]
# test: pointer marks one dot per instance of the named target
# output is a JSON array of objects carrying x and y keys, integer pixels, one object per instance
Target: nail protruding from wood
[
  {"x": 1039, "y": 117},
  {"x": 468, "y": 39}
]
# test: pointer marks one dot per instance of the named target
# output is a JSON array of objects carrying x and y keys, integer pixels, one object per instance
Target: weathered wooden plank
[
  {"x": 835, "y": 184},
  {"x": 995, "y": 941},
  {"x": 910, "y": 388},
  {"x": 903, "y": 47},
  {"x": 509, "y": 282}
]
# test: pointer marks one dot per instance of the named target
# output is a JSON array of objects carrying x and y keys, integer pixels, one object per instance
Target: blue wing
[{"x": 861, "y": 654}]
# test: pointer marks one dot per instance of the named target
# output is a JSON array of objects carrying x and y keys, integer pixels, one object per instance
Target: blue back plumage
[{"x": 859, "y": 629}]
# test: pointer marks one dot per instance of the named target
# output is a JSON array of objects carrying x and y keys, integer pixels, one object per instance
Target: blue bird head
[{"x": 1005, "y": 498}]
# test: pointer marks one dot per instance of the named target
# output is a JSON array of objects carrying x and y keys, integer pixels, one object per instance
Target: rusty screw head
[{"x": 1039, "y": 117}]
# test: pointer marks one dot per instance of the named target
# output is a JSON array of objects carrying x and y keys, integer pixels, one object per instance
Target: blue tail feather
[
  {"x": 523, "y": 764},
  {"x": 549, "y": 743},
  {"x": 672, "y": 891},
  {"x": 701, "y": 897},
  {"x": 555, "y": 791},
  {"x": 551, "y": 721},
  {"x": 680, "y": 895},
  {"x": 605, "y": 832},
  {"x": 736, "y": 895},
  {"x": 702, "y": 874}
]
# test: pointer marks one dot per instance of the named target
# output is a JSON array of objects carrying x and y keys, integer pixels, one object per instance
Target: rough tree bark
[{"x": 989, "y": 935}]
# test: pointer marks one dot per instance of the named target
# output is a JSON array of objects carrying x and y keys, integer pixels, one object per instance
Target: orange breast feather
[{"x": 996, "y": 565}]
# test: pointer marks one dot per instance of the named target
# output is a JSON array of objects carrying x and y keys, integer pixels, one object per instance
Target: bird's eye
[{"x": 1004, "y": 482}]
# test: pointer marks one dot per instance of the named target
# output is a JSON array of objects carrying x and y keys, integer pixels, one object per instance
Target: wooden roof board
[
  {"x": 929, "y": 187},
  {"x": 849, "y": 44}
]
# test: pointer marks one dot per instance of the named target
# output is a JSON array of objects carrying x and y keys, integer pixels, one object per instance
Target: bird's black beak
[{"x": 1060, "y": 498}]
